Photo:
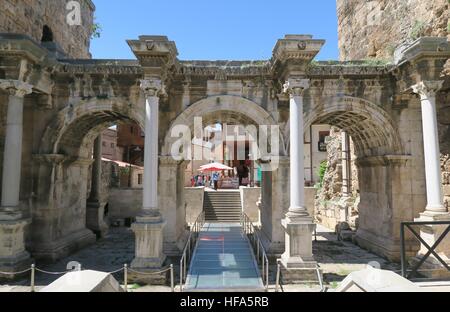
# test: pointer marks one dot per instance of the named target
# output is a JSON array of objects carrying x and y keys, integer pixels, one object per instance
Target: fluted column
[
  {"x": 296, "y": 89},
  {"x": 149, "y": 225},
  {"x": 12, "y": 157},
  {"x": 435, "y": 209},
  {"x": 298, "y": 224},
  {"x": 427, "y": 91},
  {"x": 346, "y": 165},
  {"x": 95, "y": 210},
  {"x": 12, "y": 244},
  {"x": 96, "y": 170}
]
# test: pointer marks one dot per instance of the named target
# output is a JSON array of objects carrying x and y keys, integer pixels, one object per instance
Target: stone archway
[
  {"x": 61, "y": 174},
  {"x": 243, "y": 108},
  {"x": 224, "y": 108},
  {"x": 371, "y": 128},
  {"x": 384, "y": 170}
]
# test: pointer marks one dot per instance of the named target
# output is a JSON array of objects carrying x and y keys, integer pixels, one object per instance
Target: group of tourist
[
  {"x": 216, "y": 179},
  {"x": 207, "y": 180}
]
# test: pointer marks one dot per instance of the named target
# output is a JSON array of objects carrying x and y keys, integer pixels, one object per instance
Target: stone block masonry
[
  {"x": 27, "y": 18},
  {"x": 374, "y": 28}
]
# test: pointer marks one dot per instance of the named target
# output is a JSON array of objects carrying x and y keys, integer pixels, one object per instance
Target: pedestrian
[{"x": 216, "y": 180}]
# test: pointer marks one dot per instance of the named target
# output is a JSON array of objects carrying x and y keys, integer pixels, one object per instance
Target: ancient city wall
[
  {"x": 374, "y": 28},
  {"x": 25, "y": 17}
]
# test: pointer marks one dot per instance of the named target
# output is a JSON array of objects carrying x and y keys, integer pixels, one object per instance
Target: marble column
[
  {"x": 435, "y": 209},
  {"x": 298, "y": 224},
  {"x": 13, "y": 255},
  {"x": 346, "y": 165},
  {"x": 427, "y": 92},
  {"x": 96, "y": 204},
  {"x": 346, "y": 178},
  {"x": 149, "y": 225}
]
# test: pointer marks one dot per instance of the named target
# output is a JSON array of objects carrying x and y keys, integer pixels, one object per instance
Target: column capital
[
  {"x": 428, "y": 88},
  {"x": 16, "y": 87},
  {"x": 296, "y": 86},
  {"x": 151, "y": 87}
]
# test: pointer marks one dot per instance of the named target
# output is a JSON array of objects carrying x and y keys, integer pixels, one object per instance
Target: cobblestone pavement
[{"x": 337, "y": 260}]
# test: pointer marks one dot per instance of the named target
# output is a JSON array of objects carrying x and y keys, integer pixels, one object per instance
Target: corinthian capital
[
  {"x": 151, "y": 87},
  {"x": 427, "y": 88},
  {"x": 296, "y": 86},
  {"x": 16, "y": 87}
]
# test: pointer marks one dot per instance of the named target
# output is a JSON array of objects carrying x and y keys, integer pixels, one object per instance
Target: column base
[
  {"x": 13, "y": 256},
  {"x": 17, "y": 263},
  {"x": 308, "y": 274},
  {"x": 10, "y": 214},
  {"x": 149, "y": 243},
  {"x": 298, "y": 261},
  {"x": 95, "y": 221},
  {"x": 432, "y": 267},
  {"x": 149, "y": 276}
]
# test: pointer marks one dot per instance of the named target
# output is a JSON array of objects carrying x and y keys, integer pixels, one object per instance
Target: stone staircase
[{"x": 223, "y": 207}]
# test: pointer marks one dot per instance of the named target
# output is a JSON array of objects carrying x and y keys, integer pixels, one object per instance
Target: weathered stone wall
[
  {"x": 375, "y": 28},
  {"x": 330, "y": 201},
  {"x": 28, "y": 17},
  {"x": 3, "y": 111},
  {"x": 444, "y": 138}
]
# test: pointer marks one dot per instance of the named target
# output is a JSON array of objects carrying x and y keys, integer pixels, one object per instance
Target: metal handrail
[
  {"x": 189, "y": 247},
  {"x": 431, "y": 249},
  {"x": 261, "y": 257}
]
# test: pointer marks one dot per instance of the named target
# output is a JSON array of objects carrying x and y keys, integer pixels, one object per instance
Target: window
[
  {"x": 104, "y": 144},
  {"x": 140, "y": 179},
  {"x": 323, "y": 135},
  {"x": 47, "y": 34},
  {"x": 131, "y": 129},
  {"x": 112, "y": 145}
]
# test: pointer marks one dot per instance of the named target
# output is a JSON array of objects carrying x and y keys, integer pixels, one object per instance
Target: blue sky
[{"x": 214, "y": 30}]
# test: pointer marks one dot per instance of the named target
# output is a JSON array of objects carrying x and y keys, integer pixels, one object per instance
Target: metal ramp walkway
[{"x": 223, "y": 260}]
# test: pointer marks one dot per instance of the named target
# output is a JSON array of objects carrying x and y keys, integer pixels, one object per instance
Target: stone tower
[
  {"x": 47, "y": 22},
  {"x": 375, "y": 28}
]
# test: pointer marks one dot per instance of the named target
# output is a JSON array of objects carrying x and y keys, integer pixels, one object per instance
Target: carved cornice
[
  {"x": 224, "y": 72},
  {"x": 324, "y": 70},
  {"x": 16, "y": 87},
  {"x": 387, "y": 160},
  {"x": 104, "y": 69},
  {"x": 53, "y": 159}
]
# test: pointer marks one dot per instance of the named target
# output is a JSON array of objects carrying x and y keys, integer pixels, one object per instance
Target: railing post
[
  {"x": 33, "y": 271},
  {"x": 125, "y": 277},
  {"x": 277, "y": 282},
  {"x": 257, "y": 250},
  {"x": 267, "y": 274},
  {"x": 403, "y": 251},
  {"x": 172, "y": 282},
  {"x": 181, "y": 275}
]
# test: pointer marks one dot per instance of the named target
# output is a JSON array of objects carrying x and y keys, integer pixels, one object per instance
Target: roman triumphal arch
[{"x": 54, "y": 109}]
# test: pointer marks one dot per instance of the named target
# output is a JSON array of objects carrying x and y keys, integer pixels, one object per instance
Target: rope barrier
[
  {"x": 15, "y": 273},
  {"x": 65, "y": 272},
  {"x": 149, "y": 273},
  {"x": 52, "y": 273},
  {"x": 124, "y": 269},
  {"x": 116, "y": 271}
]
